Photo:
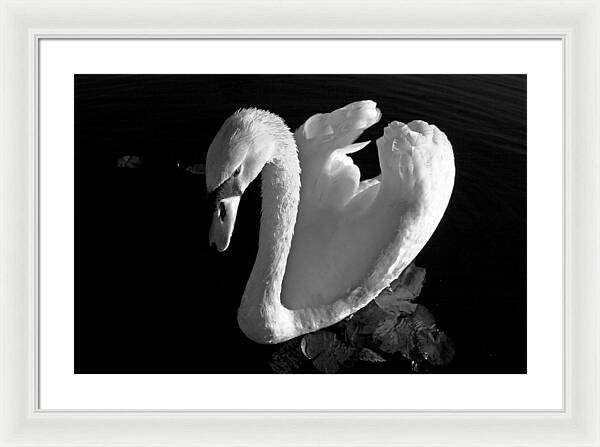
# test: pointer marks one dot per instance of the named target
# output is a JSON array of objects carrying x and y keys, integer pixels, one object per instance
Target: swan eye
[{"x": 237, "y": 171}]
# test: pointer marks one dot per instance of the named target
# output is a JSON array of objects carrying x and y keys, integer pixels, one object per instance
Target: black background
[{"x": 151, "y": 297}]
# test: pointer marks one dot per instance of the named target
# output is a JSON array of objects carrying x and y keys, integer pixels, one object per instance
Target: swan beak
[{"x": 223, "y": 221}]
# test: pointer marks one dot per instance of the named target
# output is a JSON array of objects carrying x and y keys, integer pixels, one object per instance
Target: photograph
[{"x": 300, "y": 223}]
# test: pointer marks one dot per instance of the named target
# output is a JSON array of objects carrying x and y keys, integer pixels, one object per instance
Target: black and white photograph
[{"x": 300, "y": 224}]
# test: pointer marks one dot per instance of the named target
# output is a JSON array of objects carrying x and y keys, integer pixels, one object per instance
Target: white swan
[{"x": 328, "y": 243}]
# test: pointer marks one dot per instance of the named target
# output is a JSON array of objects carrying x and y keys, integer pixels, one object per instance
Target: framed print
[
  {"x": 222, "y": 231},
  {"x": 144, "y": 285}
]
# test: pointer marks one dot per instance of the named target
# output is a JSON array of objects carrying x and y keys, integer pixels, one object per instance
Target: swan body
[{"x": 328, "y": 242}]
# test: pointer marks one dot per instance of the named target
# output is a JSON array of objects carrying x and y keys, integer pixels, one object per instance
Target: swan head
[{"x": 236, "y": 156}]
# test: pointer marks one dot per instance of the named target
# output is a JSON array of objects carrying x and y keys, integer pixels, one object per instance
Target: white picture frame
[{"x": 23, "y": 23}]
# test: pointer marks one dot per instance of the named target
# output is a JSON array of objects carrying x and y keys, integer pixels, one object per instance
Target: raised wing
[
  {"x": 330, "y": 179},
  {"x": 339, "y": 261}
]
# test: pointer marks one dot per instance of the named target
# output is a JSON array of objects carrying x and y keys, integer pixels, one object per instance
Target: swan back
[{"x": 352, "y": 234}]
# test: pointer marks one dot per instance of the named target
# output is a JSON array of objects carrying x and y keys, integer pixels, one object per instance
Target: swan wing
[
  {"x": 330, "y": 179},
  {"x": 340, "y": 262}
]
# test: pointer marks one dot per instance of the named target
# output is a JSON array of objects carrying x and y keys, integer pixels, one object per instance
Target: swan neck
[
  {"x": 280, "y": 192},
  {"x": 280, "y": 197}
]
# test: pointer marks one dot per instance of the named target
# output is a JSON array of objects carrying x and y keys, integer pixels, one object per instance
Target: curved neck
[{"x": 261, "y": 313}]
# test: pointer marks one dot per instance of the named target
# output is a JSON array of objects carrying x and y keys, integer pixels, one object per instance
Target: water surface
[{"x": 151, "y": 297}]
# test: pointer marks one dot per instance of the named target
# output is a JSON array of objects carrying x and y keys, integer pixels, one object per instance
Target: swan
[{"x": 328, "y": 242}]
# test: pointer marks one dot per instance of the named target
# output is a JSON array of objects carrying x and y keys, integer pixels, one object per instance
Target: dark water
[{"x": 150, "y": 297}]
